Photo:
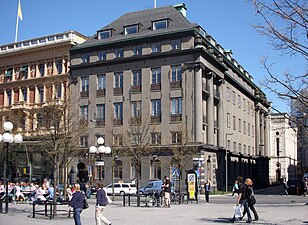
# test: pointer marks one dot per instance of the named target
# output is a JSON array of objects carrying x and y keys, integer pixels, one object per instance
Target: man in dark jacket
[{"x": 101, "y": 203}]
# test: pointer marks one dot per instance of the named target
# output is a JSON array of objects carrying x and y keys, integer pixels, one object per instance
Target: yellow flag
[{"x": 19, "y": 11}]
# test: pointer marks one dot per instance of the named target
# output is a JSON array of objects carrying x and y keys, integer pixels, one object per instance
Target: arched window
[{"x": 155, "y": 169}]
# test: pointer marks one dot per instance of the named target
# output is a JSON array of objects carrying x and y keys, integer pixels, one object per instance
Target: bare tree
[
  {"x": 285, "y": 24},
  {"x": 183, "y": 150},
  {"x": 136, "y": 142}
]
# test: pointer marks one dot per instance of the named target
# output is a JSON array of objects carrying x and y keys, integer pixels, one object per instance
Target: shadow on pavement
[{"x": 218, "y": 220}]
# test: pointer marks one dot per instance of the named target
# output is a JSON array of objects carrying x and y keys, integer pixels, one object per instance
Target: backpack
[{"x": 251, "y": 196}]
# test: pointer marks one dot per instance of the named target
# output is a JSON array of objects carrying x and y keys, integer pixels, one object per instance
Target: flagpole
[
  {"x": 154, "y": 3},
  {"x": 16, "y": 31}
]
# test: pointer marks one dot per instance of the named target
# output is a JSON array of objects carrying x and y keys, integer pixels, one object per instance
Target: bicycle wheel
[{"x": 150, "y": 201}]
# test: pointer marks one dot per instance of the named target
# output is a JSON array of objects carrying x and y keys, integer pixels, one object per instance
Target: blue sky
[{"x": 229, "y": 22}]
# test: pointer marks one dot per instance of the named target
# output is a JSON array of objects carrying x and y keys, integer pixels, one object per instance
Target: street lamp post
[
  {"x": 227, "y": 159},
  {"x": 8, "y": 139},
  {"x": 100, "y": 150}
]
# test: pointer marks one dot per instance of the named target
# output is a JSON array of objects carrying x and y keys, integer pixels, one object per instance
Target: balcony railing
[
  {"x": 100, "y": 92},
  {"x": 118, "y": 121},
  {"x": 176, "y": 84},
  {"x": 84, "y": 94},
  {"x": 156, "y": 87},
  {"x": 176, "y": 117},
  {"x": 136, "y": 89},
  {"x": 155, "y": 119},
  {"x": 118, "y": 91},
  {"x": 99, "y": 122}
]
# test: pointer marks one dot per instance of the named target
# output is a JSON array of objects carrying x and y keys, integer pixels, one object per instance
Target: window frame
[
  {"x": 156, "y": 24},
  {"x": 132, "y": 29}
]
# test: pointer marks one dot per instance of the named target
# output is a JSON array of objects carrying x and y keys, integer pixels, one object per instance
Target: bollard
[
  {"x": 123, "y": 200},
  {"x": 1, "y": 201}
]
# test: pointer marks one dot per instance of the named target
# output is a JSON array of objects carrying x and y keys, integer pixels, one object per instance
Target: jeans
[
  {"x": 244, "y": 203},
  {"x": 77, "y": 212},
  {"x": 207, "y": 196}
]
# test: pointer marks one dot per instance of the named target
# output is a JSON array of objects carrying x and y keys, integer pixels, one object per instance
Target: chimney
[{"x": 181, "y": 8}]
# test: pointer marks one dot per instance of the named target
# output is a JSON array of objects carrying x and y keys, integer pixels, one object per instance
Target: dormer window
[
  {"x": 104, "y": 34},
  {"x": 131, "y": 29},
  {"x": 161, "y": 24}
]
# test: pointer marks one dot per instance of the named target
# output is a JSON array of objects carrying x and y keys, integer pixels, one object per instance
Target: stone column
[
  {"x": 210, "y": 110},
  {"x": 257, "y": 130},
  {"x": 262, "y": 133},
  {"x": 198, "y": 104},
  {"x": 220, "y": 108},
  {"x": 266, "y": 135}
]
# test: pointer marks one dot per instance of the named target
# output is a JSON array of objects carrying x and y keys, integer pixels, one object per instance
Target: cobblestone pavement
[{"x": 282, "y": 210}]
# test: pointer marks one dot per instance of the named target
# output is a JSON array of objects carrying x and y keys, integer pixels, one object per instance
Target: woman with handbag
[
  {"x": 102, "y": 200},
  {"x": 77, "y": 202}
]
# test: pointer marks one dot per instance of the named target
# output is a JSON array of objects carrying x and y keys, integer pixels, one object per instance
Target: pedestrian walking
[
  {"x": 77, "y": 203},
  {"x": 167, "y": 191},
  {"x": 207, "y": 190},
  {"x": 235, "y": 188},
  {"x": 242, "y": 199},
  {"x": 251, "y": 199},
  {"x": 102, "y": 200},
  {"x": 285, "y": 186}
]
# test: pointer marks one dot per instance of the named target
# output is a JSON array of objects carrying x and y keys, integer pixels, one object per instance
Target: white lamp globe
[
  {"x": 108, "y": 150},
  {"x": 101, "y": 149},
  {"x": 0, "y": 137},
  {"x": 92, "y": 149},
  {"x": 18, "y": 138},
  {"x": 7, "y": 126},
  {"x": 7, "y": 138},
  {"x": 100, "y": 141}
]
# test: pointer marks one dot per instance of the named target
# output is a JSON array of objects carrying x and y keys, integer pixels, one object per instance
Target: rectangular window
[
  {"x": 136, "y": 139},
  {"x": 239, "y": 125},
  {"x": 84, "y": 141},
  {"x": 248, "y": 107},
  {"x": 252, "y": 130},
  {"x": 118, "y": 110},
  {"x": 100, "y": 112},
  {"x": 42, "y": 69},
  {"x": 84, "y": 83},
  {"x": 137, "y": 50},
  {"x": 176, "y": 137},
  {"x": 239, "y": 147},
  {"x": 228, "y": 94},
  {"x": 244, "y": 104},
  {"x": 156, "y": 75},
  {"x": 239, "y": 101},
  {"x": 233, "y": 98},
  {"x": 248, "y": 129},
  {"x": 84, "y": 112},
  {"x": 101, "y": 81},
  {"x": 156, "y": 138},
  {"x": 41, "y": 94},
  {"x": 118, "y": 140},
  {"x": 156, "y": 107},
  {"x": 24, "y": 94},
  {"x": 176, "y": 73},
  {"x": 118, "y": 80},
  {"x": 156, "y": 47},
  {"x": 136, "y": 108},
  {"x": 234, "y": 123},
  {"x": 104, "y": 34},
  {"x": 59, "y": 90},
  {"x": 244, "y": 127},
  {"x": 102, "y": 55},
  {"x": 59, "y": 66},
  {"x": 85, "y": 58},
  {"x": 228, "y": 120},
  {"x": 119, "y": 53},
  {"x": 131, "y": 29},
  {"x": 176, "y": 44},
  {"x": 137, "y": 77},
  {"x": 162, "y": 24},
  {"x": 176, "y": 105}
]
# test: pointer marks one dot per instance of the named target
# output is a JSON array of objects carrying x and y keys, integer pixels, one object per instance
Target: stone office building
[
  {"x": 158, "y": 66},
  {"x": 33, "y": 73}
]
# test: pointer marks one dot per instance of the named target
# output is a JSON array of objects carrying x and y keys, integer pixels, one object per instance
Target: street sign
[{"x": 99, "y": 163}]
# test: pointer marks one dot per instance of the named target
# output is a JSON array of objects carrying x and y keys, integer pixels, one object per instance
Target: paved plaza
[{"x": 272, "y": 209}]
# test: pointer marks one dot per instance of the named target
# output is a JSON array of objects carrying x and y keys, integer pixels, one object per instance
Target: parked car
[
  {"x": 122, "y": 188},
  {"x": 154, "y": 186},
  {"x": 296, "y": 187}
]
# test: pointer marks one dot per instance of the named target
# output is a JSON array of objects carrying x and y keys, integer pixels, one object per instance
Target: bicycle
[{"x": 153, "y": 199}]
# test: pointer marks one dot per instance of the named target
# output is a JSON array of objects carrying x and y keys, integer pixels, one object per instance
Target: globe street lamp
[
  {"x": 8, "y": 139},
  {"x": 100, "y": 150}
]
